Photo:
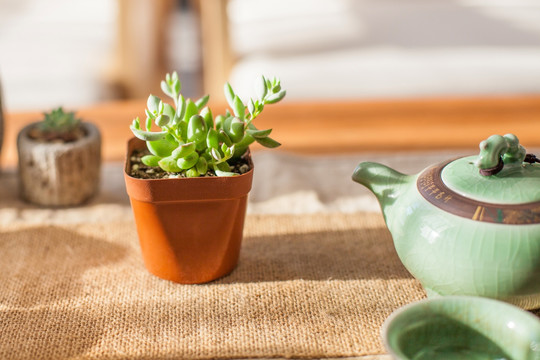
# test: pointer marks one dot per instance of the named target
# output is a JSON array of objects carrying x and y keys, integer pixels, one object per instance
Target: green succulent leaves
[
  {"x": 191, "y": 141},
  {"x": 59, "y": 122}
]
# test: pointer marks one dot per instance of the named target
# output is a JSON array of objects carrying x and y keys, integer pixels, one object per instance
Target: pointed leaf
[
  {"x": 215, "y": 154},
  {"x": 206, "y": 113},
  {"x": 176, "y": 86},
  {"x": 251, "y": 106},
  {"x": 259, "y": 134},
  {"x": 268, "y": 142},
  {"x": 149, "y": 114},
  {"x": 229, "y": 94},
  {"x": 180, "y": 107},
  {"x": 202, "y": 101},
  {"x": 261, "y": 88},
  {"x": 136, "y": 123},
  {"x": 239, "y": 108},
  {"x": 166, "y": 88},
  {"x": 191, "y": 109}
]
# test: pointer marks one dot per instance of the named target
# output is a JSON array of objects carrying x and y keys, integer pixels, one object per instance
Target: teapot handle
[{"x": 498, "y": 151}]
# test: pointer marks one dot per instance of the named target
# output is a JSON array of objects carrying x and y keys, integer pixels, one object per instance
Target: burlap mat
[{"x": 306, "y": 286}]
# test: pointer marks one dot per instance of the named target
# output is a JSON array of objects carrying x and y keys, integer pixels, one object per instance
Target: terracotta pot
[
  {"x": 57, "y": 173},
  {"x": 190, "y": 229}
]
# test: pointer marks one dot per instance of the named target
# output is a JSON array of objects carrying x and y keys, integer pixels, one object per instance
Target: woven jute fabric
[{"x": 306, "y": 286}]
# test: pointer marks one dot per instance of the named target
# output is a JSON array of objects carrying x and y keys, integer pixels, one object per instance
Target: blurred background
[{"x": 78, "y": 53}]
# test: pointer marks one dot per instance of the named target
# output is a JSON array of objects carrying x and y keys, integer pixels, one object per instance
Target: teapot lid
[{"x": 502, "y": 181}]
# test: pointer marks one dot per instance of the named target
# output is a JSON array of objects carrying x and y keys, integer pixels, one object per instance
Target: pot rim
[
  {"x": 184, "y": 189},
  {"x": 92, "y": 132}
]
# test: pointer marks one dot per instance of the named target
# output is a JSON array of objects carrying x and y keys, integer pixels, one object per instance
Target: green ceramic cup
[{"x": 462, "y": 327}]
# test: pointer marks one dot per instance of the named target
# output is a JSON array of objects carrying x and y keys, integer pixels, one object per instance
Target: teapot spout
[{"x": 386, "y": 183}]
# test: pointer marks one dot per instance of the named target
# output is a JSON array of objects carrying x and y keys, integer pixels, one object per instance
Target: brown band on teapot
[{"x": 433, "y": 189}]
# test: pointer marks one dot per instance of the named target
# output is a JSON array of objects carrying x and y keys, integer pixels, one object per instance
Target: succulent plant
[
  {"x": 192, "y": 141},
  {"x": 59, "y": 122}
]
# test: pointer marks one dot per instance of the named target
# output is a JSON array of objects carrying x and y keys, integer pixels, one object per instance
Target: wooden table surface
[{"x": 339, "y": 127}]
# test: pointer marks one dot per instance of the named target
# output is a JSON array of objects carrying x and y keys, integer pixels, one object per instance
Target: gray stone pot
[{"x": 59, "y": 174}]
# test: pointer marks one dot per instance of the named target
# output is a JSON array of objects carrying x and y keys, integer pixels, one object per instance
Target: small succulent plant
[
  {"x": 58, "y": 125},
  {"x": 58, "y": 121},
  {"x": 192, "y": 141}
]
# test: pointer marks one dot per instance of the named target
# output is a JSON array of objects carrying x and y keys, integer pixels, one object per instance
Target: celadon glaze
[
  {"x": 514, "y": 184},
  {"x": 462, "y": 327},
  {"x": 455, "y": 244}
]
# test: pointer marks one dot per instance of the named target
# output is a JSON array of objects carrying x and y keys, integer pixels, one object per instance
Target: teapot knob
[{"x": 498, "y": 151}]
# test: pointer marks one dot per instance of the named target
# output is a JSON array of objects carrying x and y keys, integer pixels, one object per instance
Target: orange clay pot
[{"x": 190, "y": 229}]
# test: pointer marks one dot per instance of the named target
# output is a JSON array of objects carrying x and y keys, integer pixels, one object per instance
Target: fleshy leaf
[
  {"x": 239, "y": 108},
  {"x": 223, "y": 166},
  {"x": 274, "y": 98},
  {"x": 212, "y": 139},
  {"x": 202, "y": 102},
  {"x": 237, "y": 130},
  {"x": 163, "y": 147},
  {"x": 223, "y": 137},
  {"x": 220, "y": 119},
  {"x": 162, "y": 120},
  {"x": 166, "y": 88},
  {"x": 225, "y": 173},
  {"x": 192, "y": 172},
  {"x": 215, "y": 154},
  {"x": 148, "y": 135},
  {"x": 206, "y": 113},
  {"x": 267, "y": 142},
  {"x": 180, "y": 107},
  {"x": 202, "y": 165},
  {"x": 176, "y": 86},
  {"x": 169, "y": 164},
  {"x": 229, "y": 94},
  {"x": 188, "y": 161},
  {"x": 151, "y": 160},
  {"x": 191, "y": 109},
  {"x": 196, "y": 130},
  {"x": 183, "y": 150},
  {"x": 169, "y": 111},
  {"x": 259, "y": 134},
  {"x": 261, "y": 88},
  {"x": 153, "y": 103}
]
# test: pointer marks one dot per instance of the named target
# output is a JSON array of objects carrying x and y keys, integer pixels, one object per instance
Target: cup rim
[{"x": 452, "y": 298}]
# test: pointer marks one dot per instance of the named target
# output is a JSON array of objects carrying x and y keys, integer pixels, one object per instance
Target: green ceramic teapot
[{"x": 468, "y": 226}]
